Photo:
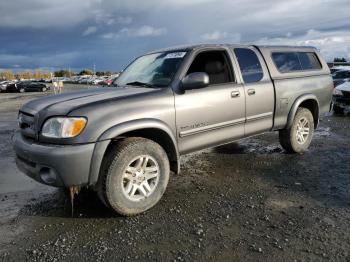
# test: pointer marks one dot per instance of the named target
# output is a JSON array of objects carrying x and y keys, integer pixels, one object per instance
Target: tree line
[
  {"x": 41, "y": 74},
  {"x": 67, "y": 73},
  {"x": 339, "y": 59},
  {"x": 28, "y": 74}
]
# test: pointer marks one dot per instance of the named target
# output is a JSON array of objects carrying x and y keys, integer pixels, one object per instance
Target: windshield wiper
[{"x": 137, "y": 83}]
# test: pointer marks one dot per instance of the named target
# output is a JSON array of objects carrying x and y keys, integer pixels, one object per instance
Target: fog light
[{"x": 48, "y": 175}]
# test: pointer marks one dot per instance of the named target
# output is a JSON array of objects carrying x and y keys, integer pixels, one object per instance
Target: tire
[
  {"x": 122, "y": 182},
  {"x": 43, "y": 89},
  {"x": 294, "y": 141},
  {"x": 338, "y": 110},
  {"x": 21, "y": 90}
]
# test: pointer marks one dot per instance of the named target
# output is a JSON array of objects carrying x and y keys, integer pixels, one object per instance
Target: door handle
[
  {"x": 251, "y": 92},
  {"x": 235, "y": 93}
]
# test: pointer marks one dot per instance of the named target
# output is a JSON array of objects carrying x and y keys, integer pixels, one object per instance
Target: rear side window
[
  {"x": 309, "y": 61},
  {"x": 249, "y": 65},
  {"x": 286, "y": 62},
  {"x": 296, "y": 61}
]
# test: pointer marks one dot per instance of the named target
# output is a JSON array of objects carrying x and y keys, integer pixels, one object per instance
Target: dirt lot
[{"x": 247, "y": 201}]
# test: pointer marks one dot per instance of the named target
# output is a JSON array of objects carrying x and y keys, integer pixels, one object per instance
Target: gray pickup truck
[{"x": 124, "y": 141}]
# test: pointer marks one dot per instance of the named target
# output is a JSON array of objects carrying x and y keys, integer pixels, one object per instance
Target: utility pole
[
  {"x": 51, "y": 73},
  {"x": 94, "y": 69}
]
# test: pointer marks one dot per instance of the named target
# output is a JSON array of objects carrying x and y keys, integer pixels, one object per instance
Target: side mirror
[{"x": 195, "y": 80}]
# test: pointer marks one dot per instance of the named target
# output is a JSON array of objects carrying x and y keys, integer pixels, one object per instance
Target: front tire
[
  {"x": 134, "y": 176},
  {"x": 298, "y": 137}
]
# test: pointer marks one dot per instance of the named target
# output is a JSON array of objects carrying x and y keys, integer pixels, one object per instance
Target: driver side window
[{"x": 215, "y": 64}]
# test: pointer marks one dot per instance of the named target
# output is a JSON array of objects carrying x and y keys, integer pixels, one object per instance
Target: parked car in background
[
  {"x": 341, "y": 76},
  {"x": 4, "y": 84},
  {"x": 338, "y": 68},
  {"x": 83, "y": 80},
  {"x": 92, "y": 80},
  {"x": 98, "y": 80},
  {"x": 341, "y": 98},
  {"x": 26, "y": 86},
  {"x": 109, "y": 81},
  {"x": 335, "y": 69}
]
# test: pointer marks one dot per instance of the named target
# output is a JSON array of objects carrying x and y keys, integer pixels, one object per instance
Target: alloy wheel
[
  {"x": 303, "y": 130},
  {"x": 140, "y": 178}
]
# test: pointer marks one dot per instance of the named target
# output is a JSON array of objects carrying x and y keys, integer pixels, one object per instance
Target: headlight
[
  {"x": 337, "y": 92},
  {"x": 63, "y": 127}
]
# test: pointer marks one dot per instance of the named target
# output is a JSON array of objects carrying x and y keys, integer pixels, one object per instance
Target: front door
[{"x": 214, "y": 114}]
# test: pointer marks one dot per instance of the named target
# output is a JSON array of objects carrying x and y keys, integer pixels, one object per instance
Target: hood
[
  {"x": 344, "y": 87},
  {"x": 64, "y": 103}
]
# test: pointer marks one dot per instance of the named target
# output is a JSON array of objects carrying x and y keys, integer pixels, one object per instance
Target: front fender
[
  {"x": 138, "y": 124},
  {"x": 118, "y": 131}
]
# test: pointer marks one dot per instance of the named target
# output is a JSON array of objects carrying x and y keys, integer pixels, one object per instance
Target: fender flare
[
  {"x": 116, "y": 131},
  {"x": 134, "y": 125},
  {"x": 296, "y": 105}
]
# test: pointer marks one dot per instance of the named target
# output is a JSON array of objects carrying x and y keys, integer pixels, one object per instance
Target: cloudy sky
[{"x": 59, "y": 34}]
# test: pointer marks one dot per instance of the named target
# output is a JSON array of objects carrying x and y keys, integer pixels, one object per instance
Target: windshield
[{"x": 156, "y": 70}]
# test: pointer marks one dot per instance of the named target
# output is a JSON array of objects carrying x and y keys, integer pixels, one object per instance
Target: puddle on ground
[
  {"x": 247, "y": 146},
  {"x": 280, "y": 204},
  {"x": 322, "y": 132}
]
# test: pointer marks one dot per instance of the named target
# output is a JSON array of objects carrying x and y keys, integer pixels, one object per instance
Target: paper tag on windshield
[{"x": 175, "y": 55}]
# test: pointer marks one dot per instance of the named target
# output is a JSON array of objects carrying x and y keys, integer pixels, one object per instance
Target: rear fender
[{"x": 297, "y": 104}]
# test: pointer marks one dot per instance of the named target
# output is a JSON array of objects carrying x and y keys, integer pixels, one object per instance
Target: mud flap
[{"x": 73, "y": 190}]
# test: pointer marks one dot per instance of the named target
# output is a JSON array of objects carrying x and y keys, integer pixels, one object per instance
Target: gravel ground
[{"x": 246, "y": 201}]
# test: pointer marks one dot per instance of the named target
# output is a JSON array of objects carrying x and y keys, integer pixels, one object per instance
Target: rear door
[
  {"x": 259, "y": 90},
  {"x": 214, "y": 114}
]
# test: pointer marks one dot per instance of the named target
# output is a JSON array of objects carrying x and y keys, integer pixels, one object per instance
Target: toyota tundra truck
[{"x": 124, "y": 141}]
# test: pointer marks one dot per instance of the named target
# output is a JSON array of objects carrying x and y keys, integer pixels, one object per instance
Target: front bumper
[
  {"x": 341, "y": 101},
  {"x": 54, "y": 165}
]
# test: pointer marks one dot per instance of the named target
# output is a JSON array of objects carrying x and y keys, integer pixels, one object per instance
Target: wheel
[
  {"x": 21, "y": 90},
  {"x": 43, "y": 89},
  {"x": 338, "y": 110},
  {"x": 298, "y": 137},
  {"x": 134, "y": 176}
]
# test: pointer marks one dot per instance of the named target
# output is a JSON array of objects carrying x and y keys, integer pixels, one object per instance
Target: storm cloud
[{"x": 109, "y": 33}]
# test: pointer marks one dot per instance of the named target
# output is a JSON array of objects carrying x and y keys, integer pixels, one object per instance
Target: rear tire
[
  {"x": 134, "y": 176},
  {"x": 338, "y": 110},
  {"x": 43, "y": 89},
  {"x": 21, "y": 90},
  {"x": 297, "y": 138}
]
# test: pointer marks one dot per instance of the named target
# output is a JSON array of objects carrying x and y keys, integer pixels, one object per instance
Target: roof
[
  {"x": 285, "y": 46},
  {"x": 195, "y": 46},
  {"x": 185, "y": 47}
]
